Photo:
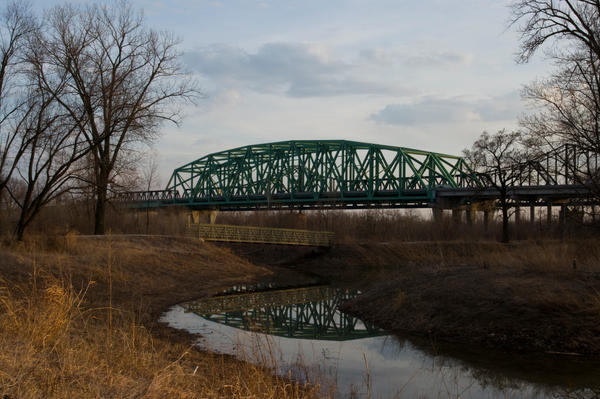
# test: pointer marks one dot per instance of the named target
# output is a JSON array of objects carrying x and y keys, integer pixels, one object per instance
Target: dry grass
[{"x": 77, "y": 319}]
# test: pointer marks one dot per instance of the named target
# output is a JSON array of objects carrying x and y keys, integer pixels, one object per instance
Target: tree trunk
[
  {"x": 20, "y": 230},
  {"x": 24, "y": 220},
  {"x": 100, "y": 211},
  {"x": 505, "y": 232},
  {"x": 3, "y": 211}
]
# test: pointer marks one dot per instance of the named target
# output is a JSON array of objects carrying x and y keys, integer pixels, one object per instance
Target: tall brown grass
[{"x": 65, "y": 336}]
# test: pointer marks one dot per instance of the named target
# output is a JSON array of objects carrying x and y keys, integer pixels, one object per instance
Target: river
[{"x": 301, "y": 332}]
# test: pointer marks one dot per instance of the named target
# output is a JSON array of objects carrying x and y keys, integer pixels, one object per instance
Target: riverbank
[
  {"x": 78, "y": 319},
  {"x": 78, "y": 315},
  {"x": 529, "y": 296}
]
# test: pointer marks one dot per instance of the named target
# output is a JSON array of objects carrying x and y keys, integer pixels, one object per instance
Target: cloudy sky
[{"x": 428, "y": 74}]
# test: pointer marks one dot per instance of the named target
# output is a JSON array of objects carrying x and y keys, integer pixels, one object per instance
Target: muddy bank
[{"x": 528, "y": 297}]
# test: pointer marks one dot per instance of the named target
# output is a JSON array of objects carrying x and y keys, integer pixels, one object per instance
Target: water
[{"x": 301, "y": 332}]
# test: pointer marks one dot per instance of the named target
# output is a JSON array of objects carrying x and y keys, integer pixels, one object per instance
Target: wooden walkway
[{"x": 260, "y": 235}]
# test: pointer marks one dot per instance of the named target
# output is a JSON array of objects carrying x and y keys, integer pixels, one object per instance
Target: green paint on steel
[
  {"x": 311, "y": 172},
  {"x": 308, "y": 313}
]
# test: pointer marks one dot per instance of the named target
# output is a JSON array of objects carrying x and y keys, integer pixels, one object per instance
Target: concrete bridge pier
[
  {"x": 531, "y": 214},
  {"x": 517, "y": 215},
  {"x": 486, "y": 220},
  {"x": 437, "y": 213},
  {"x": 210, "y": 215},
  {"x": 562, "y": 215},
  {"x": 549, "y": 215},
  {"x": 469, "y": 216},
  {"x": 456, "y": 215}
]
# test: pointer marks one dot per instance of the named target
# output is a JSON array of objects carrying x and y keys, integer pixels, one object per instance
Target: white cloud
[
  {"x": 455, "y": 109},
  {"x": 411, "y": 59},
  {"x": 293, "y": 69}
]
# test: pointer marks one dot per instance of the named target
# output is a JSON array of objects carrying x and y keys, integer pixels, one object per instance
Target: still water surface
[{"x": 302, "y": 332}]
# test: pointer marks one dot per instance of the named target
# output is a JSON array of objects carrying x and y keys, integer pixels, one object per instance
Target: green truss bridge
[{"x": 311, "y": 174}]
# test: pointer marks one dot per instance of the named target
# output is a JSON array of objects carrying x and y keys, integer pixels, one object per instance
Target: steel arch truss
[{"x": 317, "y": 172}]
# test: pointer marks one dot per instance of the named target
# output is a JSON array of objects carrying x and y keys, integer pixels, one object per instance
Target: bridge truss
[
  {"x": 310, "y": 174},
  {"x": 309, "y": 313}
]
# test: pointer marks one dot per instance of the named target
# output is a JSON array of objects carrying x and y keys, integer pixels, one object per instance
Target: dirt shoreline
[{"x": 521, "y": 297}]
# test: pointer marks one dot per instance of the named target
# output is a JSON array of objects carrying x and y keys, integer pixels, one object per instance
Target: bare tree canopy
[
  {"x": 16, "y": 25},
  {"x": 123, "y": 82},
  {"x": 566, "y": 104},
  {"x": 45, "y": 170},
  {"x": 542, "y": 21},
  {"x": 497, "y": 157}
]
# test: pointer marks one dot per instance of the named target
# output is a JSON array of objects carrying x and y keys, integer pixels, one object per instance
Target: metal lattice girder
[
  {"x": 310, "y": 312},
  {"x": 309, "y": 172}
]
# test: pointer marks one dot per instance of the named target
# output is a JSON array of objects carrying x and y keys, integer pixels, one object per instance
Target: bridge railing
[
  {"x": 148, "y": 196},
  {"x": 564, "y": 165},
  {"x": 261, "y": 235}
]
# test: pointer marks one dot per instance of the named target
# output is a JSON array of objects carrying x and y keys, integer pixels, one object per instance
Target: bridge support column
[
  {"x": 549, "y": 214},
  {"x": 456, "y": 214},
  {"x": 437, "y": 213},
  {"x": 562, "y": 215},
  {"x": 486, "y": 220},
  {"x": 532, "y": 215},
  {"x": 469, "y": 215},
  {"x": 212, "y": 216},
  {"x": 194, "y": 217},
  {"x": 517, "y": 215}
]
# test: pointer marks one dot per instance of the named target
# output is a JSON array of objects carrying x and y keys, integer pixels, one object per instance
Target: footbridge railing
[{"x": 260, "y": 235}]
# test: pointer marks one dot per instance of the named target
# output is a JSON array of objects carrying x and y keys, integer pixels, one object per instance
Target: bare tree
[
  {"x": 574, "y": 21},
  {"x": 498, "y": 158},
  {"x": 45, "y": 170},
  {"x": 567, "y": 104},
  {"x": 123, "y": 82},
  {"x": 149, "y": 171},
  {"x": 568, "y": 112},
  {"x": 16, "y": 24}
]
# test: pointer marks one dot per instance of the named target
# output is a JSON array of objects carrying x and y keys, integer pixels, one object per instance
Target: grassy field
[{"x": 78, "y": 319}]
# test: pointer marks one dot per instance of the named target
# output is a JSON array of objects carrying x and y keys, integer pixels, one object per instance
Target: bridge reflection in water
[{"x": 308, "y": 312}]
